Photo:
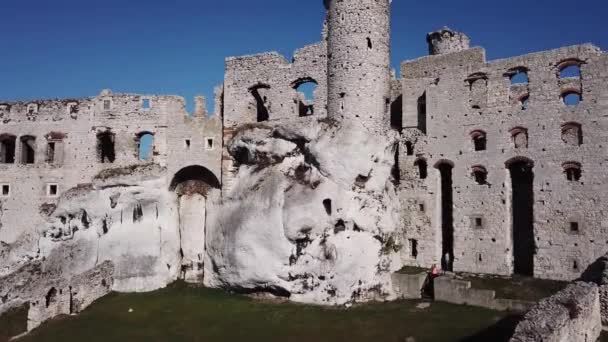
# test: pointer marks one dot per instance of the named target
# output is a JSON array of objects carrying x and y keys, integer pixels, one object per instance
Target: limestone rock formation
[
  {"x": 312, "y": 214},
  {"x": 117, "y": 234}
]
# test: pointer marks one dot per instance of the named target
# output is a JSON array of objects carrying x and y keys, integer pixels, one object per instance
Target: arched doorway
[
  {"x": 522, "y": 214},
  {"x": 193, "y": 186}
]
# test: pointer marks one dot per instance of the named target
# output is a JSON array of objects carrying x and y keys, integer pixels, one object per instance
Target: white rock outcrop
[{"x": 311, "y": 215}]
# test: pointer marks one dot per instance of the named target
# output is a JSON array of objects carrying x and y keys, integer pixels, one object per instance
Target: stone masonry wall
[
  {"x": 72, "y": 125},
  {"x": 463, "y": 94}
]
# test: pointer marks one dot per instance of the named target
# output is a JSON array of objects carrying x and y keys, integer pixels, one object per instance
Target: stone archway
[{"x": 193, "y": 186}]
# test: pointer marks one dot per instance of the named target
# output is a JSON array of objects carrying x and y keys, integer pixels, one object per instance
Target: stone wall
[
  {"x": 571, "y": 315},
  {"x": 452, "y": 99}
]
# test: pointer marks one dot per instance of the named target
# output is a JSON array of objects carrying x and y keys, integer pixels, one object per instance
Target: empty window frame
[
  {"x": 145, "y": 146},
  {"x": 477, "y": 222},
  {"x": 209, "y": 144},
  {"x": 479, "y": 139},
  {"x": 52, "y": 190},
  {"x": 572, "y": 134},
  {"x": 28, "y": 149},
  {"x": 5, "y": 190},
  {"x": 519, "y": 136},
  {"x": 422, "y": 112},
  {"x": 146, "y": 104},
  {"x": 306, "y": 89},
  {"x": 54, "y": 148},
  {"x": 260, "y": 94},
  {"x": 7, "y": 148},
  {"x": 107, "y": 104},
  {"x": 409, "y": 148},
  {"x": 571, "y": 98},
  {"x": 518, "y": 75},
  {"x": 573, "y": 171},
  {"x": 479, "y": 174},
  {"x": 422, "y": 167},
  {"x": 105, "y": 147},
  {"x": 569, "y": 68}
]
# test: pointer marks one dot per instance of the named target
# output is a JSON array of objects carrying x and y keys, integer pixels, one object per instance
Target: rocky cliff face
[{"x": 312, "y": 214}]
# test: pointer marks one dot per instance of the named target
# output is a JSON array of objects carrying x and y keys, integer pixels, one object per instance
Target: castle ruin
[{"x": 493, "y": 167}]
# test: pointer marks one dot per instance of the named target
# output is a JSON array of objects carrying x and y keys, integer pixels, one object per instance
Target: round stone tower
[
  {"x": 358, "y": 58},
  {"x": 447, "y": 41}
]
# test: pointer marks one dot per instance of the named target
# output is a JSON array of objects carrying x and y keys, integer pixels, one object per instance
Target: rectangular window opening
[
  {"x": 574, "y": 227},
  {"x": 414, "y": 248},
  {"x": 145, "y": 104},
  {"x": 6, "y": 190},
  {"x": 210, "y": 143},
  {"x": 188, "y": 143},
  {"x": 52, "y": 190},
  {"x": 106, "y": 104},
  {"x": 478, "y": 222}
]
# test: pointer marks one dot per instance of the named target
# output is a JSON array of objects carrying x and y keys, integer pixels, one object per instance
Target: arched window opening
[
  {"x": 260, "y": 95},
  {"x": 480, "y": 174},
  {"x": 51, "y": 297},
  {"x": 480, "y": 140},
  {"x": 518, "y": 75},
  {"x": 28, "y": 149},
  {"x": 145, "y": 146},
  {"x": 572, "y": 98},
  {"x": 519, "y": 135},
  {"x": 105, "y": 147},
  {"x": 573, "y": 171},
  {"x": 422, "y": 166},
  {"x": 572, "y": 134},
  {"x": 306, "y": 89},
  {"x": 422, "y": 113},
  {"x": 397, "y": 114},
  {"x": 570, "y": 68},
  {"x": 409, "y": 147},
  {"x": 572, "y": 71},
  {"x": 7, "y": 148}
]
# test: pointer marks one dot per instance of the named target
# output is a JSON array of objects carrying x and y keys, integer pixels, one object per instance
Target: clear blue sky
[{"x": 74, "y": 48}]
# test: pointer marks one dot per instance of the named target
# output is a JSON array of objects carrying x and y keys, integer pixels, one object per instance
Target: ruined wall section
[
  {"x": 571, "y": 315},
  {"x": 463, "y": 94},
  {"x": 33, "y": 188},
  {"x": 276, "y": 80},
  {"x": 270, "y": 81}
]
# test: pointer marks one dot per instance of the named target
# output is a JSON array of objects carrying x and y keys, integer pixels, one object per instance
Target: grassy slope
[{"x": 182, "y": 313}]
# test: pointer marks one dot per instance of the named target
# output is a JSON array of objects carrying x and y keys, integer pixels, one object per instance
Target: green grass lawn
[{"x": 184, "y": 313}]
